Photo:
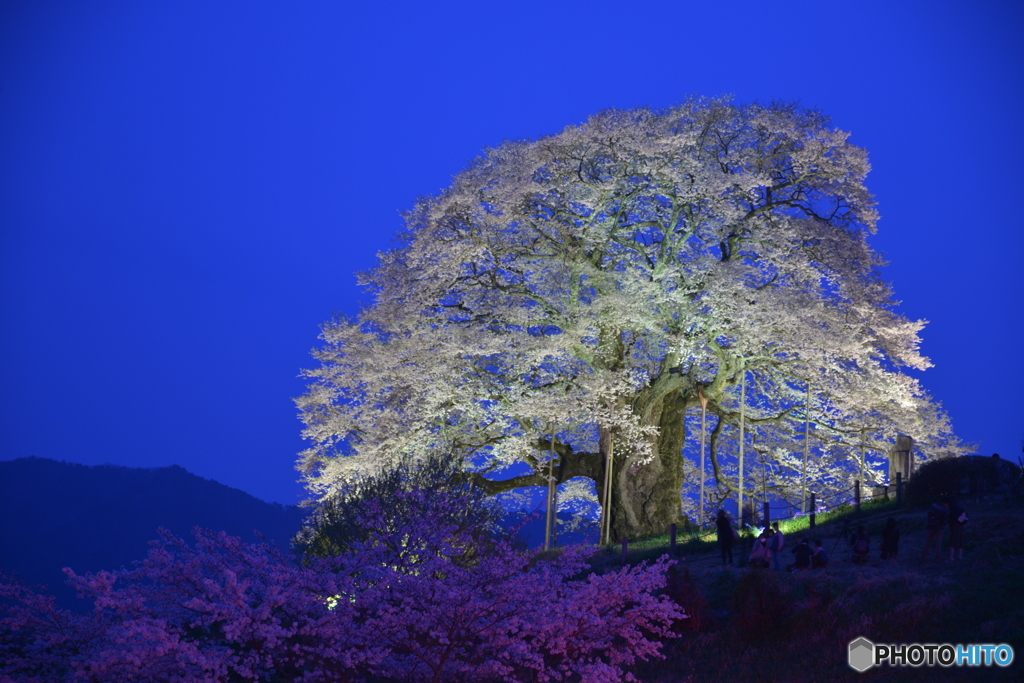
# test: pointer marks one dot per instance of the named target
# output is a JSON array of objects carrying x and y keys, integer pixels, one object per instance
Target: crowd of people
[{"x": 770, "y": 544}]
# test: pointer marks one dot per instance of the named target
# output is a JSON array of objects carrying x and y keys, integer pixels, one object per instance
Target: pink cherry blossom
[{"x": 420, "y": 603}]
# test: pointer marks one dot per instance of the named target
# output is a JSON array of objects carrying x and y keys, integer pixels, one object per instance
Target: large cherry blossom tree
[{"x": 559, "y": 308}]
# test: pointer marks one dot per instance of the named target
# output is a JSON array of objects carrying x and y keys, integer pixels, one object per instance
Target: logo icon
[{"x": 862, "y": 654}]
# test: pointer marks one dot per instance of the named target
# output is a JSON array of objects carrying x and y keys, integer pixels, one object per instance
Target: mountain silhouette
[{"x": 57, "y": 514}]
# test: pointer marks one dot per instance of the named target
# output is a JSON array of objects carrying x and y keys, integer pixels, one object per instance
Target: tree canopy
[{"x": 571, "y": 296}]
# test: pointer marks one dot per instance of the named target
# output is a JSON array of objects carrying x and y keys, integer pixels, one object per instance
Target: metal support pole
[
  {"x": 807, "y": 444},
  {"x": 863, "y": 462},
  {"x": 554, "y": 516},
  {"x": 743, "y": 399},
  {"x": 703, "y": 439},
  {"x": 764, "y": 475},
  {"x": 551, "y": 481}
]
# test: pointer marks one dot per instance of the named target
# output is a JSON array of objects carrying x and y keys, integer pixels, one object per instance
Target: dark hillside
[
  {"x": 752, "y": 624},
  {"x": 57, "y": 514}
]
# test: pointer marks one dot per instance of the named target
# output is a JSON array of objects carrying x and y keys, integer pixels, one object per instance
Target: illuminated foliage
[
  {"x": 338, "y": 522},
  {"x": 591, "y": 280}
]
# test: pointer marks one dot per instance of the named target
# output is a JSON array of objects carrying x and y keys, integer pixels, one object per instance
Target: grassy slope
[{"x": 760, "y": 625}]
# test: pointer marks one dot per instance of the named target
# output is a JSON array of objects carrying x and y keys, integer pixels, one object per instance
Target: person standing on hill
[
  {"x": 761, "y": 556},
  {"x": 819, "y": 560},
  {"x": 890, "y": 539},
  {"x": 957, "y": 520},
  {"x": 861, "y": 545},
  {"x": 726, "y": 536},
  {"x": 776, "y": 544},
  {"x": 937, "y": 515},
  {"x": 804, "y": 554}
]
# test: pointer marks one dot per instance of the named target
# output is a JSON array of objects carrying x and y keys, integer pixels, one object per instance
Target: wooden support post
[
  {"x": 899, "y": 489},
  {"x": 856, "y": 495},
  {"x": 767, "y": 515},
  {"x": 813, "y": 510}
]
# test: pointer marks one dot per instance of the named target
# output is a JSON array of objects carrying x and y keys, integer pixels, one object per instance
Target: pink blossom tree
[{"x": 415, "y": 603}]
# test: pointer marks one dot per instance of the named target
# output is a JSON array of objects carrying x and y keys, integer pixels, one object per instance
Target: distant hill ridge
[{"x": 56, "y": 514}]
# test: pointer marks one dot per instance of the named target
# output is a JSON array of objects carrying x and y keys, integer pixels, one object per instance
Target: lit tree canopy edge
[{"x": 586, "y": 285}]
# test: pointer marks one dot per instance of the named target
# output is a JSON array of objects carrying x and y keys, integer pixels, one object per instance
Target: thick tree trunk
[{"x": 646, "y": 496}]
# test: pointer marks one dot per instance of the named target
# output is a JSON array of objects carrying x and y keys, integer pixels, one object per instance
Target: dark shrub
[
  {"x": 762, "y": 606},
  {"x": 333, "y": 528},
  {"x": 945, "y": 477},
  {"x": 681, "y": 587}
]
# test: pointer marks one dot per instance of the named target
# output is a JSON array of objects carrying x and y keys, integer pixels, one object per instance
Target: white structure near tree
[{"x": 597, "y": 278}]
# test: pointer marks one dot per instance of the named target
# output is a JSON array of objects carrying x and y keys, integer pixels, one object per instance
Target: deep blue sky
[{"x": 186, "y": 188}]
